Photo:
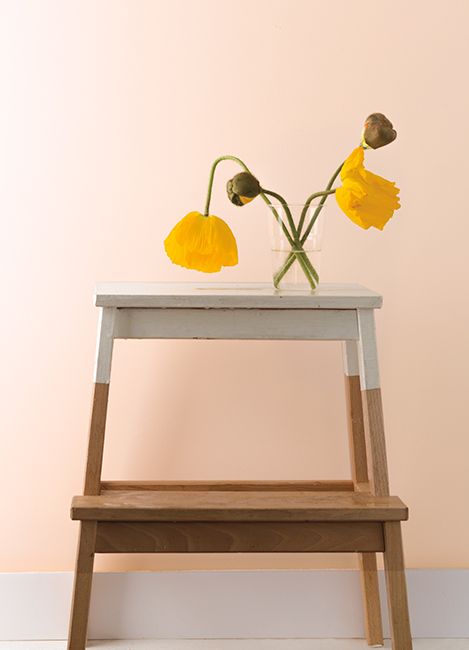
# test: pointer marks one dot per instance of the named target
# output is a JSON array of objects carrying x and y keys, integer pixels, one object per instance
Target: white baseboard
[{"x": 226, "y": 604}]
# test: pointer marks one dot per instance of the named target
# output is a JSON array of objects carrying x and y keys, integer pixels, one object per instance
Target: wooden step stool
[{"x": 355, "y": 515}]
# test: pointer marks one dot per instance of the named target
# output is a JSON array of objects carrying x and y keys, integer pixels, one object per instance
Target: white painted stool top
[{"x": 227, "y": 295}]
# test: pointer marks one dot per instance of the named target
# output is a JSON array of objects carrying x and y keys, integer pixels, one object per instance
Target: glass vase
[{"x": 296, "y": 255}]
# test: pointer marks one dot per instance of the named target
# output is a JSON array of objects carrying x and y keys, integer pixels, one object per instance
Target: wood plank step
[
  {"x": 237, "y": 506},
  {"x": 224, "y": 486}
]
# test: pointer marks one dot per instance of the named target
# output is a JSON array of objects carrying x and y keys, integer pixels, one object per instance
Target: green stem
[
  {"x": 246, "y": 169},
  {"x": 297, "y": 249},
  {"x": 322, "y": 201},
  {"x": 288, "y": 214},
  {"x": 308, "y": 203},
  {"x": 297, "y": 253},
  {"x": 212, "y": 175},
  {"x": 291, "y": 258},
  {"x": 292, "y": 237}
]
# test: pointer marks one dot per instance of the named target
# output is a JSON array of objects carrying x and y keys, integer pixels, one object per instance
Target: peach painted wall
[{"x": 111, "y": 113}]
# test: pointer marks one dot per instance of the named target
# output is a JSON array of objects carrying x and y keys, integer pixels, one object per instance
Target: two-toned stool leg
[
  {"x": 378, "y": 475},
  {"x": 87, "y": 537},
  {"x": 358, "y": 459}
]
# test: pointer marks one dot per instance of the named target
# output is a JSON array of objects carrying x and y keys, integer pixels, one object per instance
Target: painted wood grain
[
  {"x": 104, "y": 346},
  {"x": 233, "y": 295},
  {"x": 238, "y": 324},
  {"x": 350, "y": 358},
  {"x": 368, "y": 354}
]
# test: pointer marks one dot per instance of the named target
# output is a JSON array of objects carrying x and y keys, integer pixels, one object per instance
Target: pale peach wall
[{"x": 111, "y": 113}]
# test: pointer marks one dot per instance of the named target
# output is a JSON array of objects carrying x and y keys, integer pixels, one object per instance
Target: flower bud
[
  {"x": 377, "y": 131},
  {"x": 243, "y": 188}
]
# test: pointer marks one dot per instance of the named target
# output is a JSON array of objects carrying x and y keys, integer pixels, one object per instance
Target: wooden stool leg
[
  {"x": 82, "y": 586},
  {"x": 378, "y": 475},
  {"x": 96, "y": 440},
  {"x": 367, "y": 561},
  {"x": 87, "y": 538},
  {"x": 372, "y": 405},
  {"x": 371, "y": 599},
  {"x": 396, "y": 587},
  {"x": 102, "y": 377}
]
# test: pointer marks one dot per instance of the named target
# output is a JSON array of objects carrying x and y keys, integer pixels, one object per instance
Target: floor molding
[{"x": 226, "y": 604}]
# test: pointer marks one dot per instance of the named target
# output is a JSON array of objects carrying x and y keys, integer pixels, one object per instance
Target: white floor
[{"x": 233, "y": 644}]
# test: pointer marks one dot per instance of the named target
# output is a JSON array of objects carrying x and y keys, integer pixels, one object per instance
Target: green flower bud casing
[
  {"x": 242, "y": 188},
  {"x": 377, "y": 131}
]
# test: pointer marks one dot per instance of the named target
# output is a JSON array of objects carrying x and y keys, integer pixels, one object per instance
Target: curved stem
[
  {"x": 246, "y": 169},
  {"x": 323, "y": 200},
  {"x": 212, "y": 175},
  {"x": 293, "y": 241},
  {"x": 287, "y": 212},
  {"x": 291, "y": 258},
  {"x": 298, "y": 252},
  {"x": 308, "y": 203}
]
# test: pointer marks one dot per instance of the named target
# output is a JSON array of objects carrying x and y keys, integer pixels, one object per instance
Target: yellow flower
[
  {"x": 202, "y": 243},
  {"x": 367, "y": 199}
]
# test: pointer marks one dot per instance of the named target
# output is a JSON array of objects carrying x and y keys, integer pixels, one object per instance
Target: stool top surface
[{"x": 229, "y": 295}]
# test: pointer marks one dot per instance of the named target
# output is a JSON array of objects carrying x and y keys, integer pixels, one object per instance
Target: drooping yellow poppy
[
  {"x": 367, "y": 199},
  {"x": 202, "y": 243}
]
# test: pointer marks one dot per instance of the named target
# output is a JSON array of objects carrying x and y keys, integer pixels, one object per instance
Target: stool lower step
[{"x": 247, "y": 506}]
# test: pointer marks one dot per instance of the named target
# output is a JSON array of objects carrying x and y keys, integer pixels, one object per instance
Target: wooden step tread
[
  {"x": 185, "y": 505},
  {"x": 225, "y": 486}
]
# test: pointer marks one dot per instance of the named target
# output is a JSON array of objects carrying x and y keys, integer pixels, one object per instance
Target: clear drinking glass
[{"x": 297, "y": 277}]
